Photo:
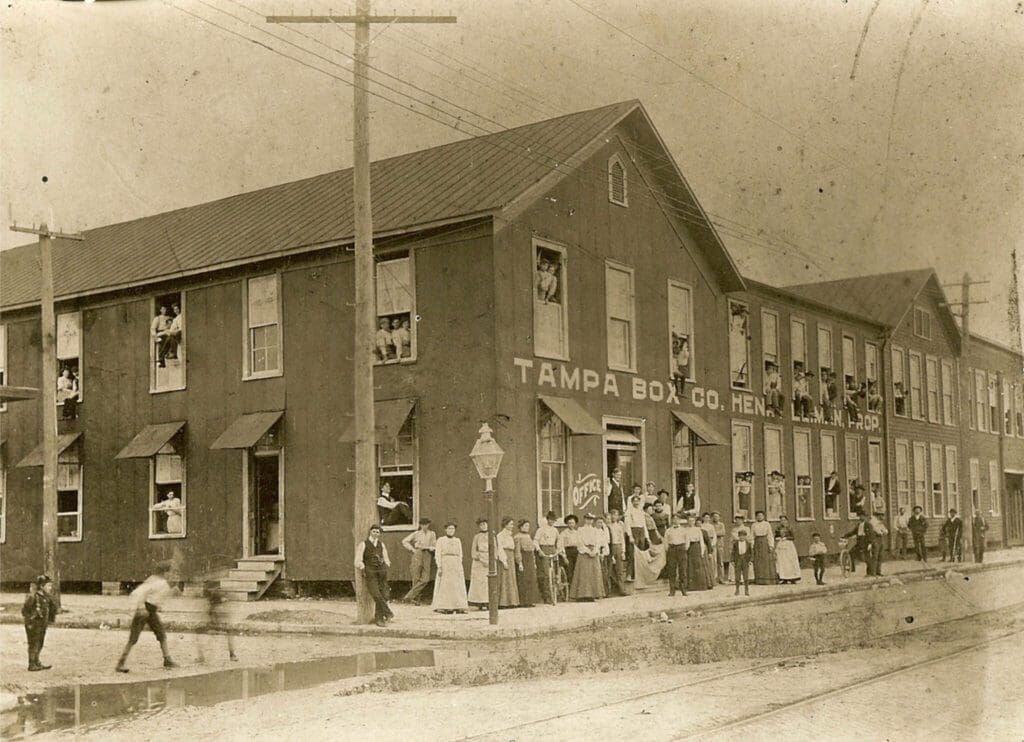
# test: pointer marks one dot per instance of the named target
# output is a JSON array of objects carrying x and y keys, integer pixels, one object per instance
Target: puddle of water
[{"x": 81, "y": 706}]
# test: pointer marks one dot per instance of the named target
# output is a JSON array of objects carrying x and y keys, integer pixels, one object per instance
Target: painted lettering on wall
[{"x": 586, "y": 490}]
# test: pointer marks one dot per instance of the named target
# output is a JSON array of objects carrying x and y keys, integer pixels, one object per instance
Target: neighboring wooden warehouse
[{"x": 559, "y": 281}]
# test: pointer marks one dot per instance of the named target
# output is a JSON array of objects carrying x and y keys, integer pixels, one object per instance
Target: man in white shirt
[
  {"x": 902, "y": 524},
  {"x": 146, "y": 600},
  {"x": 421, "y": 545},
  {"x": 546, "y": 539},
  {"x": 742, "y": 551},
  {"x": 174, "y": 331},
  {"x": 372, "y": 560}
]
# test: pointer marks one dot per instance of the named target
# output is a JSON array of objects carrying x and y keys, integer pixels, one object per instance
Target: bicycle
[
  {"x": 845, "y": 558},
  {"x": 558, "y": 580}
]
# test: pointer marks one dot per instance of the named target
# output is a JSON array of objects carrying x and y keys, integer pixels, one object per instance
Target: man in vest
[
  {"x": 918, "y": 526},
  {"x": 372, "y": 560},
  {"x": 614, "y": 495}
]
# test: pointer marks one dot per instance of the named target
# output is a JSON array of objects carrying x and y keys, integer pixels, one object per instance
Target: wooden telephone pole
[
  {"x": 49, "y": 397},
  {"x": 365, "y": 505}
]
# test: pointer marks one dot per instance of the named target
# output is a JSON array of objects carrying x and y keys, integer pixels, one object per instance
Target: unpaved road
[{"x": 973, "y": 695}]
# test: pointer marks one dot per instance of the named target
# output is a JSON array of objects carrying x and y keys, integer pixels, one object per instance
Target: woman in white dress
[
  {"x": 787, "y": 563},
  {"x": 450, "y": 581},
  {"x": 479, "y": 553},
  {"x": 172, "y": 506}
]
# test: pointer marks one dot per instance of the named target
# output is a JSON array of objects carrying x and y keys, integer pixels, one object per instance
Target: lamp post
[{"x": 486, "y": 455}]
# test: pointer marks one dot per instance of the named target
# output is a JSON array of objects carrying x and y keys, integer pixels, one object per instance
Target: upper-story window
[
  {"x": 931, "y": 367},
  {"x": 871, "y": 362},
  {"x": 69, "y": 500},
  {"x": 803, "y": 400},
  {"x": 680, "y": 328},
  {"x": 395, "y": 337},
  {"x": 3, "y": 361},
  {"x": 1018, "y": 405},
  {"x": 618, "y": 187},
  {"x": 980, "y": 400},
  {"x": 1007, "y": 408},
  {"x": 739, "y": 345},
  {"x": 167, "y": 342},
  {"x": 167, "y": 491},
  {"x": 916, "y": 396},
  {"x": 774, "y": 397},
  {"x": 899, "y": 382},
  {"x": 69, "y": 367},
  {"x": 849, "y": 361},
  {"x": 550, "y": 310},
  {"x": 621, "y": 325},
  {"x": 993, "y": 404},
  {"x": 947, "y": 392},
  {"x": 922, "y": 323},
  {"x": 828, "y": 392},
  {"x": 262, "y": 327}
]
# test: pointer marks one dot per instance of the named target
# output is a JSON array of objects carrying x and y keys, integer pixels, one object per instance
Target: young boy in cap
[
  {"x": 817, "y": 552},
  {"x": 675, "y": 555},
  {"x": 38, "y": 612},
  {"x": 146, "y": 600}
]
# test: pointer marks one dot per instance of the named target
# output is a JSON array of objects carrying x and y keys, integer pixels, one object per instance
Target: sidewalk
[{"x": 334, "y": 617}]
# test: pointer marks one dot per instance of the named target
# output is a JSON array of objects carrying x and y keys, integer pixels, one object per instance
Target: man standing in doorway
[
  {"x": 421, "y": 545},
  {"x": 372, "y": 560},
  {"x": 613, "y": 492},
  {"x": 918, "y": 526}
]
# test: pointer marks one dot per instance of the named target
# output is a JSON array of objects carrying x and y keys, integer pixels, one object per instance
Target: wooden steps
[{"x": 251, "y": 577}]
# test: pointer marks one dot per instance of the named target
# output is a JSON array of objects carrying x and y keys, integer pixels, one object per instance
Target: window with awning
[
  {"x": 572, "y": 413},
  {"x": 150, "y": 439},
  {"x": 247, "y": 430},
  {"x": 705, "y": 432}
]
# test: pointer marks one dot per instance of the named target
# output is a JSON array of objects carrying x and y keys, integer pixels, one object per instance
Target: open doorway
[{"x": 265, "y": 504}]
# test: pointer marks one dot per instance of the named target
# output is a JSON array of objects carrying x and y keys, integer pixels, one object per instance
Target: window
[
  {"x": 878, "y": 503},
  {"x": 682, "y": 448},
  {"x": 935, "y": 503},
  {"x": 856, "y": 495},
  {"x": 952, "y": 479},
  {"x": 931, "y": 366},
  {"x": 802, "y": 470},
  {"x": 619, "y": 298},
  {"x": 167, "y": 491},
  {"x": 774, "y": 473},
  {"x": 69, "y": 368},
  {"x": 3, "y": 363},
  {"x": 903, "y": 475},
  {"x": 922, "y": 323},
  {"x": 394, "y": 340},
  {"x": 739, "y": 345},
  {"x": 550, "y": 308},
  {"x": 993, "y": 404},
  {"x": 993, "y": 487},
  {"x": 774, "y": 399},
  {"x": 849, "y": 361},
  {"x": 618, "y": 187},
  {"x": 830, "y": 475},
  {"x": 947, "y": 393},
  {"x": 69, "y": 501},
  {"x": 167, "y": 343},
  {"x": 680, "y": 331},
  {"x": 972, "y": 416},
  {"x": 1018, "y": 407},
  {"x": 824, "y": 363},
  {"x": 921, "y": 475},
  {"x": 397, "y": 469},
  {"x": 871, "y": 361},
  {"x": 980, "y": 397},
  {"x": 975, "y": 466},
  {"x": 743, "y": 469},
  {"x": 3, "y": 497},
  {"x": 263, "y": 327},
  {"x": 916, "y": 400},
  {"x": 552, "y": 439},
  {"x": 1007, "y": 408},
  {"x": 899, "y": 382},
  {"x": 798, "y": 351}
]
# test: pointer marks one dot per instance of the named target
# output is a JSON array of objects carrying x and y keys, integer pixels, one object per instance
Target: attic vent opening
[{"x": 617, "y": 186}]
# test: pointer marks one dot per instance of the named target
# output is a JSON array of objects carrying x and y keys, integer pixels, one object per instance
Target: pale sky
[{"x": 913, "y": 157}]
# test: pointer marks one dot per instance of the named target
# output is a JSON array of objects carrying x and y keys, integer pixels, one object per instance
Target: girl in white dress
[{"x": 450, "y": 581}]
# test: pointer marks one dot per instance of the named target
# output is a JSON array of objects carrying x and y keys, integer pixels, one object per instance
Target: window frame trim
[
  {"x": 80, "y": 357},
  {"x": 938, "y": 389},
  {"x": 563, "y": 250},
  {"x": 414, "y": 525},
  {"x": 152, "y": 497},
  {"x": 919, "y": 310},
  {"x": 834, "y": 437},
  {"x": 676, "y": 283},
  {"x": 904, "y": 378},
  {"x": 782, "y": 464},
  {"x": 946, "y": 363},
  {"x": 810, "y": 466},
  {"x": 182, "y": 348},
  {"x": 922, "y": 386},
  {"x": 947, "y": 495},
  {"x": 614, "y": 159},
  {"x": 750, "y": 427},
  {"x": 4, "y": 375},
  {"x": 994, "y": 505},
  {"x": 907, "y": 446},
  {"x": 567, "y": 484},
  {"x": 878, "y": 366},
  {"x": 247, "y": 373},
  {"x": 749, "y": 388},
  {"x": 861, "y": 462},
  {"x": 81, "y": 504},
  {"x": 993, "y": 386}
]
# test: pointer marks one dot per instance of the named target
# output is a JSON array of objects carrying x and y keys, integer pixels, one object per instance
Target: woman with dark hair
[
  {"x": 587, "y": 582},
  {"x": 569, "y": 544},
  {"x": 526, "y": 550},
  {"x": 509, "y": 560},
  {"x": 786, "y": 560},
  {"x": 764, "y": 550},
  {"x": 479, "y": 552},
  {"x": 450, "y": 581}
]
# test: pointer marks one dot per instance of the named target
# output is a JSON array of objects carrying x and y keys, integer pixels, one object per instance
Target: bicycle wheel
[
  {"x": 563, "y": 585},
  {"x": 845, "y": 564}
]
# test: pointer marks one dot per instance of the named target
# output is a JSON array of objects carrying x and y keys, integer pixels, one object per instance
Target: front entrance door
[
  {"x": 265, "y": 504},
  {"x": 1015, "y": 509},
  {"x": 625, "y": 458}
]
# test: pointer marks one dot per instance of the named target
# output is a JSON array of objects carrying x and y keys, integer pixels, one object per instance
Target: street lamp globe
[{"x": 486, "y": 455}]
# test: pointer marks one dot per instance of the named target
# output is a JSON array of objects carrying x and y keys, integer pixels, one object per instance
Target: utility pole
[
  {"x": 365, "y": 505},
  {"x": 49, "y": 397}
]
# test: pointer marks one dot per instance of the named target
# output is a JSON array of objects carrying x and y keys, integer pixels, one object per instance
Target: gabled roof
[
  {"x": 468, "y": 179},
  {"x": 883, "y": 298}
]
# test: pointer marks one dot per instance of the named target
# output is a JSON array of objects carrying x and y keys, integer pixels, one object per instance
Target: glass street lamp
[{"x": 486, "y": 456}]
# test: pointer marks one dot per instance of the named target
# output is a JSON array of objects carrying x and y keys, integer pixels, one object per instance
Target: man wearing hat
[
  {"x": 773, "y": 389},
  {"x": 742, "y": 551},
  {"x": 546, "y": 539},
  {"x": 38, "y": 612},
  {"x": 802, "y": 394}
]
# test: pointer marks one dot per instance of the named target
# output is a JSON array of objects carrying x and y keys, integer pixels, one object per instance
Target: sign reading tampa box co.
[{"x": 587, "y": 380}]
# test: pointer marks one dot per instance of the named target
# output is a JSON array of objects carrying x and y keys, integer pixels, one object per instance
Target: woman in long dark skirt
[
  {"x": 764, "y": 551},
  {"x": 696, "y": 550},
  {"x": 526, "y": 551}
]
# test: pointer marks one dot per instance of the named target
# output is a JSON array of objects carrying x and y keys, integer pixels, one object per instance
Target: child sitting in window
[
  {"x": 874, "y": 398},
  {"x": 383, "y": 340},
  {"x": 547, "y": 281},
  {"x": 401, "y": 336}
]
